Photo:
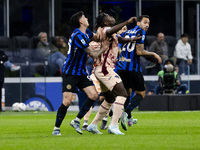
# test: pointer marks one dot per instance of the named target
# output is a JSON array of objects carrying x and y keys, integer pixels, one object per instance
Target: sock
[
  {"x": 117, "y": 109},
  {"x": 85, "y": 122},
  {"x": 135, "y": 101},
  {"x": 105, "y": 118},
  {"x": 85, "y": 108},
  {"x": 126, "y": 102},
  {"x": 77, "y": 119},
  {"x": 62, "y": 110},
  {"x": 87, "y": 115},
  {"x": 102, "y": 112},
  {"x": 111, "y": 113}
]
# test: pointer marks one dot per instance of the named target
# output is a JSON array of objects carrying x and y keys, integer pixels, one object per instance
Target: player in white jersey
[{"x": 110, "y": 82}]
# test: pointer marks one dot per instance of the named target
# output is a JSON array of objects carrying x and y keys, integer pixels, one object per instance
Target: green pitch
[{"x": 154, "y": 131}]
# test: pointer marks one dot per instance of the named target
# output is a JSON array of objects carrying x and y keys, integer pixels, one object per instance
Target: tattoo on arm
[
  {"x": 94, "y": 53},
  {"x": 141, "y": 51}
]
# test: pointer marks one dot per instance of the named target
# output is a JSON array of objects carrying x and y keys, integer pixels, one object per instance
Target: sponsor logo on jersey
[{"x": 83, "y": 41}]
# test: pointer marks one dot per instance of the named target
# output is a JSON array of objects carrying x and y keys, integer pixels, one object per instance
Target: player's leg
[
  {"x": 131, "y": 120},
  {"x": 68, "y": 88},
  {"x": 86, "y": 118},
  {"x": 92, "y": 94},
  {"x": 102, "y": 112},
  {"x": 62, "y": 110},
  {"x": 118, "y": 107},
  {"x": 137, "y": 85},
  {"x": 105, "y": 119},
  {"x": 81, "y": 99}
]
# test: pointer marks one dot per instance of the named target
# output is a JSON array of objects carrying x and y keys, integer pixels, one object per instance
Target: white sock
[
  {"x": 103, "y": 110},
  {"x": 77, "y": 119},
  {"x": 117, "y": 109},
  {"x": 55, "y": 128}
]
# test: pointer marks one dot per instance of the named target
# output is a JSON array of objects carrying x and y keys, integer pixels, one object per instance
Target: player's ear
[
  {"x": 138, "y": 23},
  {"x": 106, "y": 23}
]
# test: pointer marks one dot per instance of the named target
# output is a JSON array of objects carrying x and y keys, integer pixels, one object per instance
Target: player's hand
[
  {"x": 136, "y": 38},
  {"x": 158, "y": 58},
  {"x": 132, "y": 19}
]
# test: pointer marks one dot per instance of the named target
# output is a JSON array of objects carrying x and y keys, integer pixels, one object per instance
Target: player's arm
[
  {"x": 123, "y": 40},
  {"x": 96, "y": 53},
  {"x": 117, "y": 27},
  {"x": 141, "y": 52},
  {"x": 95, "y": 38}
]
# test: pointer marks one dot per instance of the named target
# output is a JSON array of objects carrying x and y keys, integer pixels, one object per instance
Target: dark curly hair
[
  {"x": 139, "y": 19},
  {"x": 74, "y": 20},
  {"x": 100, "y": 20}
]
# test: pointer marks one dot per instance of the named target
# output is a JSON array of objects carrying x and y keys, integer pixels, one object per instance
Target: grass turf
[{"x": 154, "y": 130}]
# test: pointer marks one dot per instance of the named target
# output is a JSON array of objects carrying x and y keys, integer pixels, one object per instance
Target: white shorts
[
  {"x": 96, "y": 83},
  {"x": 108, "y": 81}
]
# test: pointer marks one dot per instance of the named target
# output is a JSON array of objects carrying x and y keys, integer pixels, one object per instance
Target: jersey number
[{"x": 129, "y": 46}]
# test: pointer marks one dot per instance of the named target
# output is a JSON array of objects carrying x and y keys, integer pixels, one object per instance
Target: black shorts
[
  {"x": 132, "y": 79},
  {"x": 71, "y": 82}
]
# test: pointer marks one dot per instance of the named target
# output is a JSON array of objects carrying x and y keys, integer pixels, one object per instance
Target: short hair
[
  {"x": 100, "y": 20},
  {"x": 139, "y": 19},
  {"x": 39, "y": 35},
  {"x": 74, "y": 20},
  {"x": 184, "y": 35}
]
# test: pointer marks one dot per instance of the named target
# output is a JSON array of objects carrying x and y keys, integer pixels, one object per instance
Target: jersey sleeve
[
  {"x": 90, "y": 34},
  {"x": 80, "y": 42},
  {"x": 123, "y": 34},
  {"x": 143, "y": 34}
]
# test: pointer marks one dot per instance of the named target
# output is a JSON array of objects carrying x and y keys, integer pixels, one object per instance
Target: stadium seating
[
  {"x": 171, "y": 42},
  {"x": 6, "y": 46},
  {"x": 22, "y": 48}
]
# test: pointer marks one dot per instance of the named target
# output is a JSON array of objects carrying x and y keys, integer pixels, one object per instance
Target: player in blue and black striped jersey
[
  {"x": 74, "y": 72},
  {"x": 129, "y": 69}
]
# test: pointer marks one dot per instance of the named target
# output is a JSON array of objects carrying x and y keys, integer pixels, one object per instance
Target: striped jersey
[
  {"x": 75, "y": 63},
  {"x": 128, "y": 59}
]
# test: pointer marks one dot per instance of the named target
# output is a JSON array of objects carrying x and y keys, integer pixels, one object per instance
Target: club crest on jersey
[
  {"x": 68, "y": 86},
  {"x": 143, "y": 37},
  {"x": 83, "y": 41}
]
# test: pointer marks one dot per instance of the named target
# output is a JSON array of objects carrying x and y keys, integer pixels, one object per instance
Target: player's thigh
[
  {"x": 69, "y": 83},
  {"x": 137, "y": 81},
  {"x": 119, "y": 90},
  {"x": 67, "y": 98},
  {"x": 107, "y": 81},
  {"x": 91, "y": 92},
  {"x": 126, "y": 78},
  {"x": 142, "y": 93},
  {"x": 87, "y": 86}
]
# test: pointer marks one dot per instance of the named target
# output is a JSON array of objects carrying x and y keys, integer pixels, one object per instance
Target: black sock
[
  {"x": 126, "y": 102},
  {"x": 134, "y": 102},
  {"x": 62, "y": 110},
  {"x": 85, "y": 108},
  {"x": 111, "y": 113}
]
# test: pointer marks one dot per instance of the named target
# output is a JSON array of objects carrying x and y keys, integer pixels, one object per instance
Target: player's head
[
  {"x": 79, "y": 19},
  {"x": 103, "y": 20},
  {"x": 143, "y": 22}
]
